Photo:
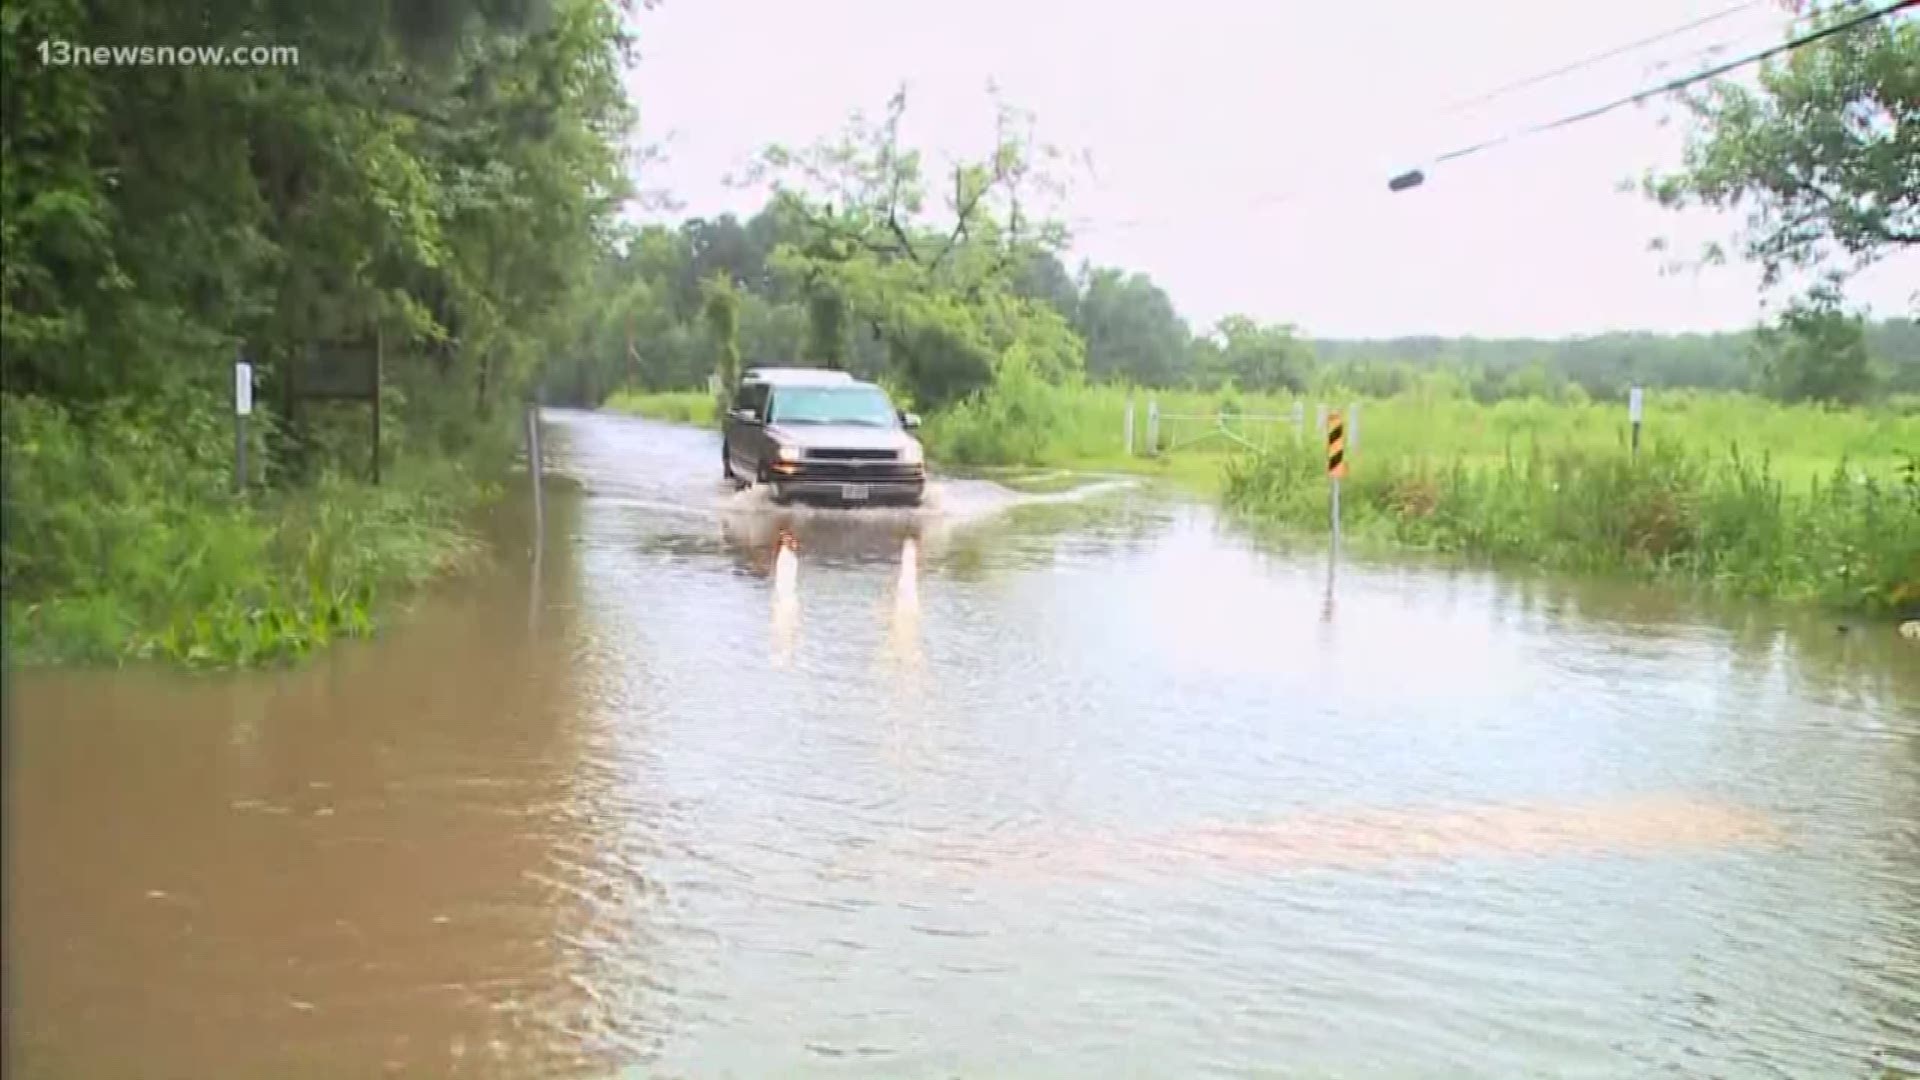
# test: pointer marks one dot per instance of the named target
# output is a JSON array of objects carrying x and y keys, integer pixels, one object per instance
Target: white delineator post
[
  {"x": 1635, "y": 402},
  {"x": 242, "y": 408}
]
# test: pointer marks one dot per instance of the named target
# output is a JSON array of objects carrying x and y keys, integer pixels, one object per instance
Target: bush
[
  {"x": 123, "y": 538},
  {"x": 1009, "y": 423}
]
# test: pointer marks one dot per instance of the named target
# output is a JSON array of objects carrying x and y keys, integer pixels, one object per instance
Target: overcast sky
[{"x": 1200, "y": 115}]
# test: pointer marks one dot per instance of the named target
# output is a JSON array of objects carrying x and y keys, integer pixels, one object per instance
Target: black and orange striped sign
[{"x": 1336, "y": 445}]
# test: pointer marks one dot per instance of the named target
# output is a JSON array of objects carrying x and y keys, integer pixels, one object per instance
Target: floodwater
[{"x": 1085, "y": 785}]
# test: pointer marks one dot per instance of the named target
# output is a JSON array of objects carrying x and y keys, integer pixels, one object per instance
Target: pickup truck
[{"x": 821, "y": 435}]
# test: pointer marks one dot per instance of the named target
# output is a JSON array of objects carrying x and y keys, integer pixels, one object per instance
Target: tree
[
  {"x": 1043, "y": 277},
  {"x": 1818, "y": 352},
  {"x": 721, "y": 311},
  {"x": 1259, "y": 357},
  {"x": 1131, "y": 328},
  {"x": 1824, "y": 154},
  {"x": 875, "y": 253}
]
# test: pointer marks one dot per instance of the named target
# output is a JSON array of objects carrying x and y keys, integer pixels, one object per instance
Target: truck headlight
[
  {"x": 913, "y": 454},
  {"x": 788, "y": 453}
]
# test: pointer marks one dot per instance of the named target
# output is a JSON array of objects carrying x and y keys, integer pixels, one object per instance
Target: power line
[
  {"x": 1681, "y": 83},
  {"x": 1669, "y": 86},
  {"x": 1634, "y": 46}
]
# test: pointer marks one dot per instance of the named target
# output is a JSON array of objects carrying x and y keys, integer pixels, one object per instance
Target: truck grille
[
  {"x": 851, "y": 455},
  {"x": 815, "y": 469}
]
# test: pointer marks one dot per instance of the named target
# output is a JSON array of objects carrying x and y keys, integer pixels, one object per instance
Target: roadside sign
[
  {"x": 242, "y": 388},
  {"x": 1634, "y": 402},
  {"x": 1336, "y": 446}
]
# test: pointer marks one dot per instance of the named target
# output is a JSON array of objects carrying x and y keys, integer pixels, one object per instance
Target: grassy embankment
[
  {"x": 1731, "y": 491},
  {"x": 125, "y": 541}
]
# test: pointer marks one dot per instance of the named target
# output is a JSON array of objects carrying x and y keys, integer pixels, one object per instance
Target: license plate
[{"x": 853, "y": 492}]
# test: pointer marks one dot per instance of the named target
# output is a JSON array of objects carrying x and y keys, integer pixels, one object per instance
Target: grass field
[{"x": 1803, "y": 442}]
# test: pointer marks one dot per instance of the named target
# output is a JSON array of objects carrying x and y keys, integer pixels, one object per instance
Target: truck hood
[{"x": 840, "y": 437}]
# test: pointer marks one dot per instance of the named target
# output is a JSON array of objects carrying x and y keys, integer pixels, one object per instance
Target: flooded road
[{"x": 1082, "y": 785}]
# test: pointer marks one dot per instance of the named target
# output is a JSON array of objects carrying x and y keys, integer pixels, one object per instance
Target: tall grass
[
  {"x": 678, "y": 406},
  {"x": 1728, "y": 520},
  {"x": 123, "y": 539}
]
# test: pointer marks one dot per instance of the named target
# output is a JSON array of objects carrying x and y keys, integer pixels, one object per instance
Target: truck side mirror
[{"x": 910, "y": 420}]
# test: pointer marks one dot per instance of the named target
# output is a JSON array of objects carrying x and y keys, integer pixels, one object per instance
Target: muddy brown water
[{"x": 1081, "y": 785}]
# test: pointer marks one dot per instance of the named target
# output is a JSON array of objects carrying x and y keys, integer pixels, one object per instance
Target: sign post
[
  {"x": 1336, "y": 463},
  {"x": 1635, "y": 401},
  {"x": 242, "y": 408}
]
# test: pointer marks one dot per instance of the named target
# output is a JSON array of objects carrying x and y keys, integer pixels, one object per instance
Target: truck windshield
[{"x": 863, "y": 405}]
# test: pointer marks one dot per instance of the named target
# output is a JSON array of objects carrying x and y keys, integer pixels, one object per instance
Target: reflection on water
[
  {"x": 1004, "y": 787},
  {"x": 786, "y": 599},
  {"x": 903, "y": 625}
]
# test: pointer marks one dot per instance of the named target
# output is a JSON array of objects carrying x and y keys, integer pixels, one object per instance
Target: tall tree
[
  {"x": 1824, "y": 153},
  {"x": 1818, "y": 352},
  {"x": 927, "y": 278},
  {"x": 1131, "y": 328}
]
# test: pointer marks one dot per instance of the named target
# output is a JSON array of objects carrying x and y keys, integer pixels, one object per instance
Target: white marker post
[
  {"x": 242, "y": 408},
  {"x": 1635, "y": 401}
]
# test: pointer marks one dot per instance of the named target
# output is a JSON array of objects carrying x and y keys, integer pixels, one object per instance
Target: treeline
[
  {"x": 1604, "y": 366},
  {"x": 443, "y": 175},
  {"x": 439, "y": 177},
  {"x": 652, "y": 334}
]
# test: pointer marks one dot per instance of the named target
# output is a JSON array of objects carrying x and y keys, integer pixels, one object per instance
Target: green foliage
[
  {"x": 680, "y": 407},
  {"x": 721, "y": 311},
  {"x": 1726, "y": 521},
  {"x": 122, "y": 540},
  {"x": 1256, "y": 357},
  {"x": 937, "y": 289},
  {"x": 1131, "y": 329},
  {"x": 826, "y": 329},
  {"x": 1009, "y": 424},
  {"x": 445, "y": 176},
  {"x": 1824, "y": 154},
  {"x": 1816, "y": 353}
]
